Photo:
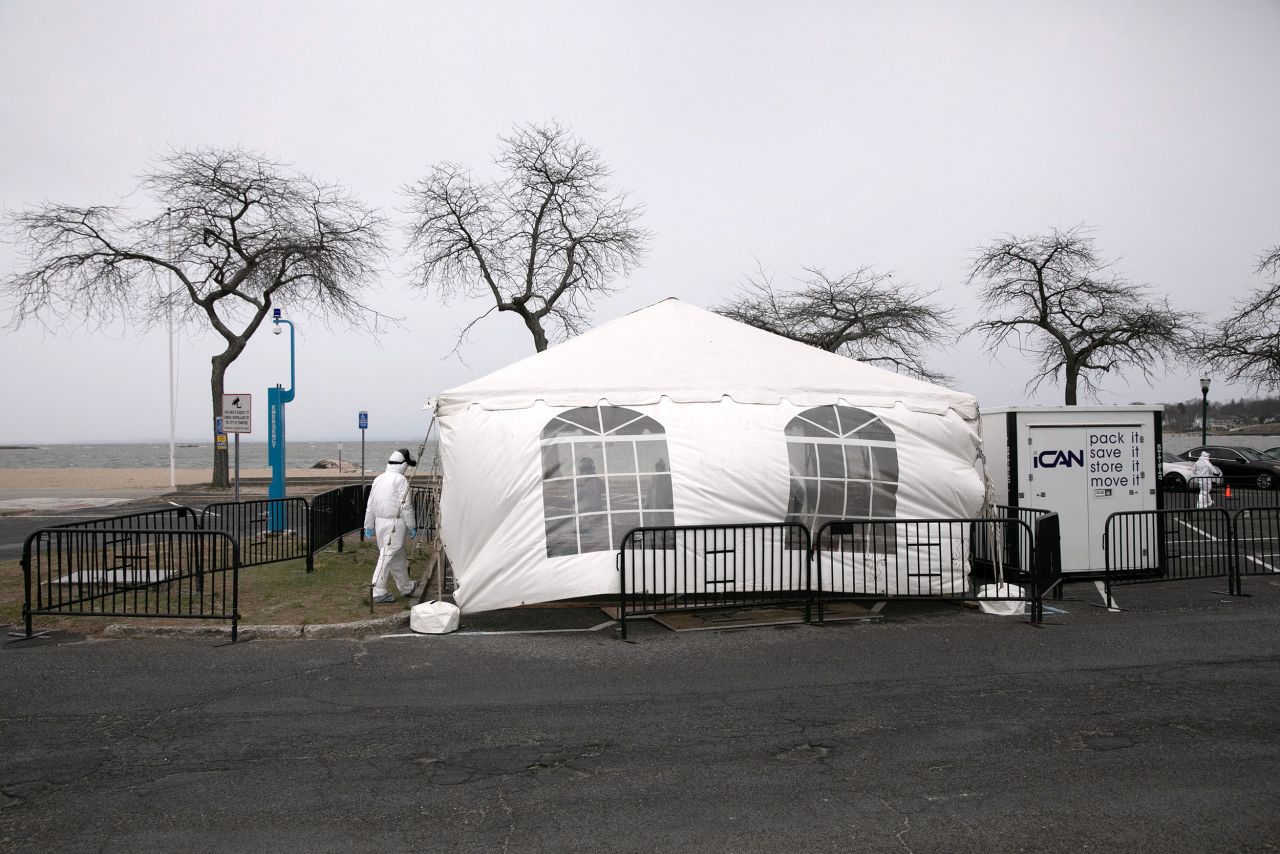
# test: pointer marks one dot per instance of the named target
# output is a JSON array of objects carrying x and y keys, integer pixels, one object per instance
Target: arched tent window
[
  {"x": 844, "y": 464},
  {"x": 605, "y": 470}
]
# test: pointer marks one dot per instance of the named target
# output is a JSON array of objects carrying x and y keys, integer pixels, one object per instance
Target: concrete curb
[{"x": 359, "y": 628}]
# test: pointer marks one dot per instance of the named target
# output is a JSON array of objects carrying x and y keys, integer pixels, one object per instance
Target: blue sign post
[
  {"x": 276, "y": 399},
  {"x": 364, "y": 425}
]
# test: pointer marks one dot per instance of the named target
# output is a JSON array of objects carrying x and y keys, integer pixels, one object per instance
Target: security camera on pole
[{"x": 276, "y": 399}]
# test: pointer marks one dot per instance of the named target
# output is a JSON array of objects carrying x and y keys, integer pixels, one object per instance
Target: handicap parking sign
[{"x": 364, "y": 420}]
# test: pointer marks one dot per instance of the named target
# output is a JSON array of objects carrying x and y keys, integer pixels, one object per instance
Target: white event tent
[{"x": 676, "y": 415}]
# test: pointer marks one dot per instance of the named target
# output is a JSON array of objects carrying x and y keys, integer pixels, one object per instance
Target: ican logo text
[{"x": 1053, "y": 459}]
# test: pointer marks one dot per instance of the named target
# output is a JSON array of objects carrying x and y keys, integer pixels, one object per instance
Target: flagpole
[{"x": 173, "y": 407}]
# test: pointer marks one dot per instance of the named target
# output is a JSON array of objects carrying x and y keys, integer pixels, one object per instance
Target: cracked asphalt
[{"x": 938, "y": 730}]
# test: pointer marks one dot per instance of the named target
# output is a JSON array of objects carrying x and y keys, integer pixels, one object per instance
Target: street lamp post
[
  {"x": 276, "y": 399},
  {"x": 1204, "y": 411}
]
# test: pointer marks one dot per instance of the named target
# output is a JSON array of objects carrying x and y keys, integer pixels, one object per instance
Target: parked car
[
  {"x": 1240, "y": 466},
  {"x": 1177, "y": 473},
  {"x": 1274, "y": 453}
]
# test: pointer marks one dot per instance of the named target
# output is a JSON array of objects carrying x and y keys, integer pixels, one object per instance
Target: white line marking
[
  {"x": 1102, "y": 591},
  {"x": 1261, "y": 562},
  {"x": 1217, "y": 540},
  {"x": 1198, "y": 531}
]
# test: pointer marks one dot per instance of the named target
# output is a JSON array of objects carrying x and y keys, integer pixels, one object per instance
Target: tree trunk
[
  {"x": 539, "y": 336},
  {"x": 221, "y": 477},
  {"x": 1072, "y": 376}
]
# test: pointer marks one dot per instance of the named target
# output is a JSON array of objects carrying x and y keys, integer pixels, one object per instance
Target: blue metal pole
[{"x": 276, "y": 399}]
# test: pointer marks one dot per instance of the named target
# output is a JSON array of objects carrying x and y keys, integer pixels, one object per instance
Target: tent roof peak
[{"x": 687, "y": 354}]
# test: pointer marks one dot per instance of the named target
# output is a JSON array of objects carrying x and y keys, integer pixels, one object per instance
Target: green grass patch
[{"x": 278, "y": 593}]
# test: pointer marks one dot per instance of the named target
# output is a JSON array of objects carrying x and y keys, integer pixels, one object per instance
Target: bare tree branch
[
  {"x": 234, "y": 234},
  {"x": 1052, "y": 298},
  {"x": 861, "y": 314},
  {"x": 1245, "y": 346},
  {"x": 543, "y": 241}
]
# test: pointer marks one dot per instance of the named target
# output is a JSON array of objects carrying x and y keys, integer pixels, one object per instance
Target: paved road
[
  {"x": 940, "y": 730},
  {"x": 64, "y": 506}
]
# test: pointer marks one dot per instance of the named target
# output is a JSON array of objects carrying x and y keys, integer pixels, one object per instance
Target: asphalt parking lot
[{"x": 939, "y": 729}]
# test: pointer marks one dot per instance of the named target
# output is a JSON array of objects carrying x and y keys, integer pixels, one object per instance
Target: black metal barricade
[
  {"x": 335, "y": 514},
  {"x": 131, "y": 572},
  {"x": 425, "y": 502},
  {"x": 1169, "y": 545},
  {"x": 1016, "y": 552},
  {"x": 690, "y": 567},
  {"x": 951, "y": 559},
  {"x": 1047, "y": 561},
  {"x": 269, "y": 530},
  {"x": 1257, "y": 540},
  {"x": 168, "y": 519},
  {"x": 1225, "y": 493}
]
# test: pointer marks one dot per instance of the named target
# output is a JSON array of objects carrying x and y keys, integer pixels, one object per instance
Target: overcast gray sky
[{"x": 902, "y": 135}]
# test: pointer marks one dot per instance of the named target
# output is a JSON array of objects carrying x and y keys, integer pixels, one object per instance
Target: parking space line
[
  {"x": 1198, "y": 531},
  {"x": 1109, "y": 604},
  {"x": 1260, "y": 562},
  {"x": 1240, "y": 542}
]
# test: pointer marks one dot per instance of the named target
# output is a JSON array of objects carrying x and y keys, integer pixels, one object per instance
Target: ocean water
[
  {"x": 1176, "y": 443},
  {"x": 253, "y": 455}
]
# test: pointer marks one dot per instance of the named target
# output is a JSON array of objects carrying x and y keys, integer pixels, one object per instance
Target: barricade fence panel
[
  {"x": 1226, "y": 493},
  {"x": 173, "y": 574},
  {"x": 955, "y": 559},
  {"x": 426, "y": 499},
  {"x": 336, "y": 513},
  {"x": 1169, "y": 545},
  {"x": 1016, "y": 551},
  {"x": 1047, "y": 559},
  {"x": 268, "y": 529},
  {"x": 712, "y": 566},
  {"x": 167, "y": 519},
  {"x": 1257, "y": 539},
  {"x": 718, "y": 566}
]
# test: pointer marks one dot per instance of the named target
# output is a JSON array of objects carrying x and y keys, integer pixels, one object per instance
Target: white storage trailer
[{"x": 1082, "y": 462}]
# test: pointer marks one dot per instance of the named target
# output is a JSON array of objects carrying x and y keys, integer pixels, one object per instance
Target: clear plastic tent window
[
  {"x": 844, "y": 464},
  {"x": 605, "y": 471}
]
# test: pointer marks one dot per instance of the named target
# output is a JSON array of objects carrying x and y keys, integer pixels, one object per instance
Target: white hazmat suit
[
  {"x": 1204, "y": 472},
  {"x": 388, "y": 516}
]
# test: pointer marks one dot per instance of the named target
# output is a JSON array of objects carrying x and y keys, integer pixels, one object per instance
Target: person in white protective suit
[
  {"x": 388, "y": 517},
  {"x": 1204, "y": 472}
]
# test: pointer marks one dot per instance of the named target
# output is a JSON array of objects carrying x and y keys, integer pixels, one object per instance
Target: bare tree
[
  {"x": 542, "y": 241},
  {"x": 1246, "y": 345},
  {"x": 861, "y": 314},
  {"x": 236, "y": 233},
  {"x": 1053, "y": 298}
]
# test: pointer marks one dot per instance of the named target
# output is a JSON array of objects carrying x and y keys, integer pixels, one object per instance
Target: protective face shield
[{"x": 401, "y": 457}]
